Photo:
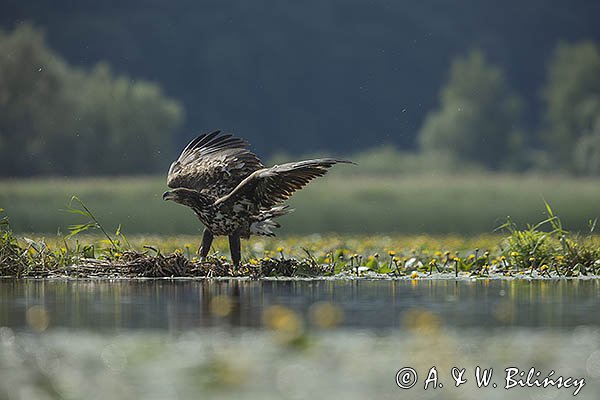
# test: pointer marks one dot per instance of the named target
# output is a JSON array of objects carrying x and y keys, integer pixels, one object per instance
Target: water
[
  {"x": 277, "y": 339},
  {"x": 180, "y": 305}
]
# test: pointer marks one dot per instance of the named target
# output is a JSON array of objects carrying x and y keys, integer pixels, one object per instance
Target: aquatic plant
[
  {"x": 542, "y": 250},
  {"x": 552, "y": 249}
]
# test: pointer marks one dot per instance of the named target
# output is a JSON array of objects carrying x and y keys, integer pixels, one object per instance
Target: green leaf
[
  {"x": 540, "y": 224},
  {"x": 77, "y": 211},
  {"x": 549, "y": 209},
  {"x": 78, "y": 228},
  {"x": 37, "y": 246},
  {"x": 372, "y": 265},
  {"x": 385, "y": 269},
  {"x": 592, "y": 224},
  {"x": 88, "y": 251}
]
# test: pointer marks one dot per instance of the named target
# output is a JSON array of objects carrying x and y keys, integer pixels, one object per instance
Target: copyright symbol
[{"x": 406, "y": 378}]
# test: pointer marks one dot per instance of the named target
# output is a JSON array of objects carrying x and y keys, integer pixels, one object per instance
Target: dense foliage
[
  {"x": 340, "y": 77},
  {"x": 572, "y": 96},
  {"x": 478, "y": 118},
  {"x": 58, "y": 119},
  {"x": 315, "y": 74}
]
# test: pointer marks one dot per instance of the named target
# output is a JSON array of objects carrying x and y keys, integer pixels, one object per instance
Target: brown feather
[
  {"x": 230, "y": 190},
  {"x": 269, "y": 187},
  {"x": 214, "y": 163}
]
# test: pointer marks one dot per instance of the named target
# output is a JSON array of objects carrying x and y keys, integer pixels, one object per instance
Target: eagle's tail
[{"x": 264, "y": 224}]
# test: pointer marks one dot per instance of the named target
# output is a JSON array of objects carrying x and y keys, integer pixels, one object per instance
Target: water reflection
[{"x": 180, "y": 305}]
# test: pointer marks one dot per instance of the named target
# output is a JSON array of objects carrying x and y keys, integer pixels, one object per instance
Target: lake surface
[
  {"x": 292, "y": 339},
  {"x": 179, "y": 305}
]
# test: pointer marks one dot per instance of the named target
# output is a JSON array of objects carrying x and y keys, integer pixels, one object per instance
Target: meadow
[{"x": 345, "y": 202}]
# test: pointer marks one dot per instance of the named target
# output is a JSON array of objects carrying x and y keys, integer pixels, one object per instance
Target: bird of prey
[{"x": 231, "y": 192}]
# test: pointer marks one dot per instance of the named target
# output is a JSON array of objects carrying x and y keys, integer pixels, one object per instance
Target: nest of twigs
[{"x": 143, "y": 265}]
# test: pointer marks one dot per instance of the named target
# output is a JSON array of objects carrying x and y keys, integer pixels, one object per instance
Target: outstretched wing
[
  {"x": 214, "y": 162},
  {"x": 269, "y": 187}
]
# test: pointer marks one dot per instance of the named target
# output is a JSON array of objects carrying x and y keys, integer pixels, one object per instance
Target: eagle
[{"x": 231, "y": 192}]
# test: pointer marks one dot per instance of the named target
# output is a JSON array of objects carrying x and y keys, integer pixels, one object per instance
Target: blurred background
[{"x": 457, "y": 114}]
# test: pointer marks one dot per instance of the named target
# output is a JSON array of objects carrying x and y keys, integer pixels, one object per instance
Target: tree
[
  {"x": 478, "y": 118},
  {"x": 587, "y": 150},
  {"x": 31, "y": 100},
  {"x": 572, "y": 98},
  {"x": 57, "y": 119},
  {"x": 121, "y": 126}
]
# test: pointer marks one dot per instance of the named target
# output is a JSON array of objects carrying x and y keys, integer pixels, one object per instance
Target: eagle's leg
[
  {"x": 235, "y": 249},
  {"x": 207, "y": 238}
]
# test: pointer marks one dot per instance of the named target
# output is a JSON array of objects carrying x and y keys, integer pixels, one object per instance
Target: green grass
[
  {"x": 544, "y": 248},
  {"x": 530, "y": 252},
  {"x": 343, "y": 202}
]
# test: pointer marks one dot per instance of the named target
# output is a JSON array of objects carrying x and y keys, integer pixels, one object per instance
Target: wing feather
[
  {"x": 213, "y": 162},
  {"x": 269, "y": 187}
]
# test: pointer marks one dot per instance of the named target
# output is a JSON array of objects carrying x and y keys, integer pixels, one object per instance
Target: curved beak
[{"x": 167, "y": 195}]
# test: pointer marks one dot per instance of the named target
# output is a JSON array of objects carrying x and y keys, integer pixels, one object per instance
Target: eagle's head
[{"x": 187, "y": 197}]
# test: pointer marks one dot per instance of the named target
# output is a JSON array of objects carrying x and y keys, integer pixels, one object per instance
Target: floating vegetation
[
  {"x": 542, "y": 250},
  {"x": 142, "y": 265}
]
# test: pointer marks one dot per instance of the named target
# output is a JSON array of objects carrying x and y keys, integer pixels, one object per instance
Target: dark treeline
[{"x": 340, "y": 76}]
